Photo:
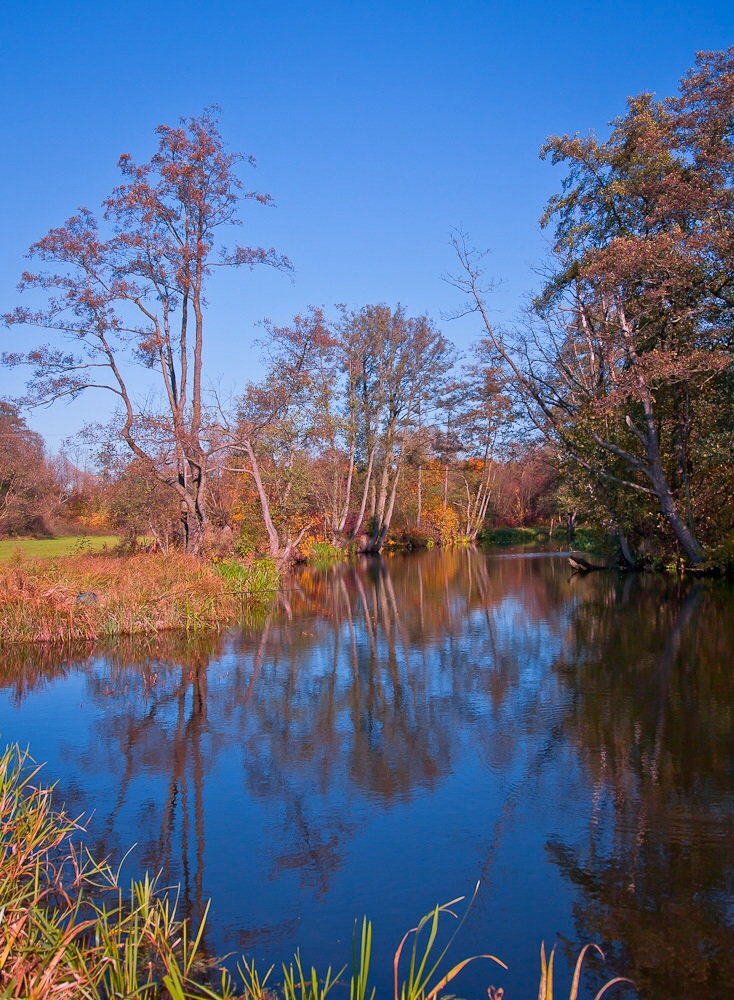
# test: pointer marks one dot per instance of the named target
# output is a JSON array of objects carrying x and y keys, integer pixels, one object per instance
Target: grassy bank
[
  {"x": 69, "y": 931},
  {"x": 92, "y": 596},
  {"x": 585, "y": 539},
  {"x": 54, "y": 548},
  {"x": 518, "y": 536}
]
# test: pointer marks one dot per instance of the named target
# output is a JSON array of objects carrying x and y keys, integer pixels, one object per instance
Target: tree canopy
[
  {"x": 132, "y": 291},
  {"x": 625, "y": 363}
]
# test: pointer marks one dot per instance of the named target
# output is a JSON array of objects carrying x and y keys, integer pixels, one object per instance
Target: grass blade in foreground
[
  {"x": 545, "y": 990},
  {"x": 423, "y": 963},
  {"x": 361, "y": 966}
]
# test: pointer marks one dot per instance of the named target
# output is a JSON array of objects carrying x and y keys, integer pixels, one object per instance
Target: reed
[
  {"x": 515, "y": 536},
  {"x": 299, "y": 985},
  {"x": 324, "y": 555},
  {"x": 68, "y": 930},
  {"x": 545, "y": 989},
  {"x": 423, "y": 981},
  {"x": 260, "y": 577},
  {"x": 91, "y": 596}
]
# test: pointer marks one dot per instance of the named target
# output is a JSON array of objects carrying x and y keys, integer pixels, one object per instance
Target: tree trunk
[
  {"x": 624, "y": 548},
  {"x": 420, "y": 496},
  {"x": 365, "y": 492},
  {"x": 273, "y": 538},
  {"x": 688, "y": 541},
  {"x": 193, "y": 525}
]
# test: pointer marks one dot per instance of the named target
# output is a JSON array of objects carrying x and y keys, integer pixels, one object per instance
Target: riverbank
[
  {"x": 91, "y": 596},
  {"x": 542, "y": 537}
]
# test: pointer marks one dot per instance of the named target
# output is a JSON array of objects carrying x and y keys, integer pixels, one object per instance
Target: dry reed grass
[
  {"x": 88, "y": 597},
  {"x": 66, "y": 928}
]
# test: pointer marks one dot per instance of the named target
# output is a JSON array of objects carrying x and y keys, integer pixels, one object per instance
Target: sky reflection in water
[{"x": 387, "y": 734}]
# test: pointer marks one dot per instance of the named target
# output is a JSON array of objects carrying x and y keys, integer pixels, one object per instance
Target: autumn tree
[
  {"x": 312, "y": 346},
  {"x": 325, "y": 435},
  {"x": 28, "y": 489},
  {"x": 396, "y": 366},
  {"x": 81, "y": 501},
  {"x": 140, "y": 506},
  {"x": 131, "y": 290},
  {"x": 630, "y": 340},
  {"x": 483, "y": 423},
  {"x": 281, "y": 420}
]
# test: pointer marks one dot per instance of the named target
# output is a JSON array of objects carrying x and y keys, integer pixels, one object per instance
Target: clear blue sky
[{"x": 376, "y": 127}]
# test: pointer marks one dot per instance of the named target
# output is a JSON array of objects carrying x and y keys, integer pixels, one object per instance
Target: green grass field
[{"x": 48, "y": 548}]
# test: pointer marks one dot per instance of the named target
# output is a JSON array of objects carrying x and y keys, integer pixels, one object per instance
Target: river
[{"x": 386, "y": 735}]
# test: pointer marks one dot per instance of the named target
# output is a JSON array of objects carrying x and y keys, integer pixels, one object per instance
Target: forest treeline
[{"x": 609, "y": 402}]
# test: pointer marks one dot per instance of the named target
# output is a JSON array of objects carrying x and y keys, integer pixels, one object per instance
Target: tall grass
[
  {"x": 423, "y": 981},
  {"x": 92, "y": 596},
  {"x": 545, "y": 990},
  {"x": 515, "y": 536},
  {"x": 69, "y": 931},
  {"x": 323, "y": 555},
  {"x": 259, "y": 577}
]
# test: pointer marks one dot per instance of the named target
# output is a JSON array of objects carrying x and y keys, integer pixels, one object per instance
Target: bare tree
[
  {"x": 396, "y": 366},
  {"x": 136, "y": 294}
]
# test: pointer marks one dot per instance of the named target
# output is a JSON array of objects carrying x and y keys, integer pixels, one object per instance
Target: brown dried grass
[{"x": 91, "y": 596}]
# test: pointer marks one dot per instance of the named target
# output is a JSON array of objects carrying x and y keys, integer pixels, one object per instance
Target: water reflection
[
  {"x": 390, "y": 731},
  {"x": 652, "y": 719}
]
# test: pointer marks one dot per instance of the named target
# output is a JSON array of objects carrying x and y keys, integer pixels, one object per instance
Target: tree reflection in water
[
  {"x": 257, "y": 760},
  {"x": 652, "y": 719}
]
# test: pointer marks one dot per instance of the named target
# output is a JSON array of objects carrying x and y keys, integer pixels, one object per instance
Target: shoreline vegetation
[
  {"x": 89, "y": 597},
  {"x": 69, "y": 930},
  {"x": 83, "y": 591}
]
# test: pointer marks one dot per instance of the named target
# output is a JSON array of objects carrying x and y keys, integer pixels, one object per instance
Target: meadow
[{"x": 53, "y": 548}]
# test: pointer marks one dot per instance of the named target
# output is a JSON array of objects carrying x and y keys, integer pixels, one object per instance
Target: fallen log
[{"x": 579, "y": 565}]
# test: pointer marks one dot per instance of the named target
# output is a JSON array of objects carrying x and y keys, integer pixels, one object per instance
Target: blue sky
[{"x": 376, "y": 128}]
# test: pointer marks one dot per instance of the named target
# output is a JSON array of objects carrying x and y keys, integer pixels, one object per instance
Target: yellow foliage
[
  {"x": 444, "y": 523},
  {"x": 96, "y": 521}
]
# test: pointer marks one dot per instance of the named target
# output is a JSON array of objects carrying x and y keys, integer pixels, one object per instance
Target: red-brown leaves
[{"x": 137, "y": 292}]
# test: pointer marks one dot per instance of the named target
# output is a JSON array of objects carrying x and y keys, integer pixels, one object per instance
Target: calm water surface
[{"x": 388, "y": 734}]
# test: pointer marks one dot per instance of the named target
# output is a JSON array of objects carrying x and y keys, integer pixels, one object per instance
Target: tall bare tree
[
  {"x": 135, "y": 292},
  {"x": 396, "y": 367}
]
